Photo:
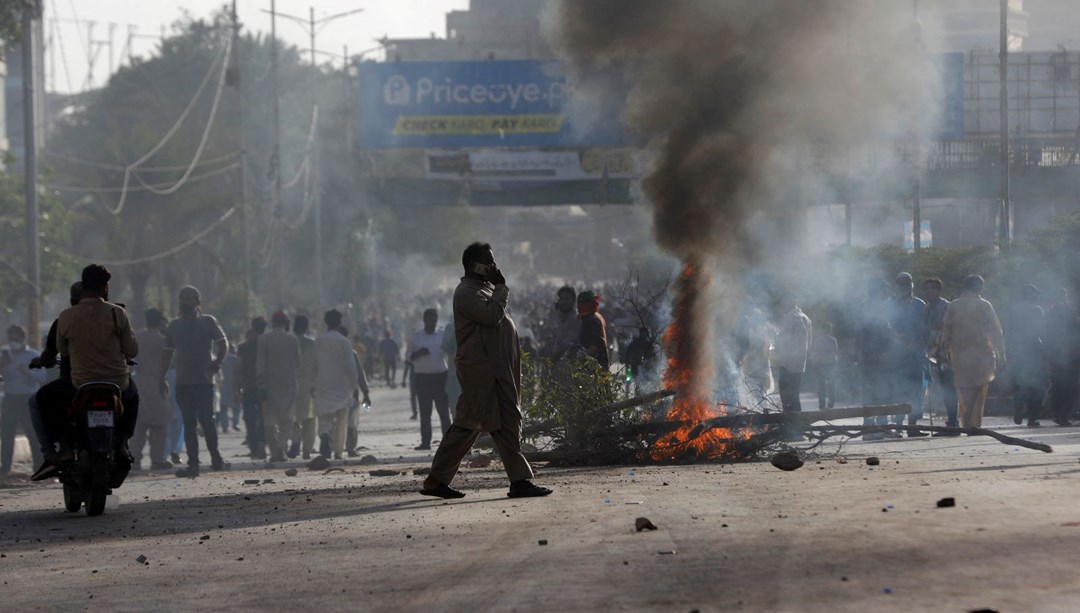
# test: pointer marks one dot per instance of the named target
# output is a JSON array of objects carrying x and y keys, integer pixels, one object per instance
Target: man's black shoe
[
  {"x": 422, "y": 448},
  {"x": 218, "y": 464},
  {"x": 1033, "y": 423},
  {"x": 52, "y": 465},
  {"x": 526, "y": 489},
  {"x": 442, "y": 491},
  {"x": 175, "y": 457},
  {"x": 294, "y": 450},
  {"x": 1018, "y": 418},
  {"x": 162, "y": 465},
  {"x": 189, "y": 472},
  {"x": 1064, "y": 423}
]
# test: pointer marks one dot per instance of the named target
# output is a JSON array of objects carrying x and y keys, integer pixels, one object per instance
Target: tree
[
  {"x": 55, "y": 231},
  {"x": 11, "y": 15}
]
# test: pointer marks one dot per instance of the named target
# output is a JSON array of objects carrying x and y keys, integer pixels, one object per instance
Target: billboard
[{"x": 508, "y": 103}]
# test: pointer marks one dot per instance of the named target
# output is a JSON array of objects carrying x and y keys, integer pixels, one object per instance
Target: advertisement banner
[
  {"x": 531, "y": 166},
  {"x": 510, "y": 103}
]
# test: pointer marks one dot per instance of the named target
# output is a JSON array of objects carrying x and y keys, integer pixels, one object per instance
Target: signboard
[
  {"x": 512, "y": 103},
  {"x": 530, "y": 166}
]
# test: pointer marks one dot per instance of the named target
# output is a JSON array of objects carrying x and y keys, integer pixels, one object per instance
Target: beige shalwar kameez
[
  {"x": 277, "y": 363},
  {"x": 971, "y": 338},
  {"x": 488, "y": 364}
]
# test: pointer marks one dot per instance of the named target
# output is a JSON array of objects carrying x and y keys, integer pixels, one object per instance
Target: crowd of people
[
  {"x": 300, "y": 394},
  {"x": 906, "y": 349}
]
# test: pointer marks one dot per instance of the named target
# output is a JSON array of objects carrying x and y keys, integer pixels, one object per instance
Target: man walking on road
[
  {"x": 20, "y": 383},
  {"x": 974, "y": 344},
  {"x": 198, "y": 344},
  {"x": 337, "y": 379},
  {"x": 793, "y": 343},
  {"x": 247, "y": 379},
  {"x": 489, "y": 367},
  {"x": 276, "y": 365},
  {"x": 429, "y": 372},
  {"x": 304, "y": 425},
  {"x": 155, "y": 410}
]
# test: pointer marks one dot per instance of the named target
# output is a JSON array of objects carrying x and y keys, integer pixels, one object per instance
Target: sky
[{"x": 67, "y": 23}]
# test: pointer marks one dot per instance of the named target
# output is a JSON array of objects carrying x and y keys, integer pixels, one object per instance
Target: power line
[
  {"x": 106, "y": 166},
  {"x": 168, "y": 135},
  {"x": 137, "y": 188},
  {"x": 163, "y": 254}
]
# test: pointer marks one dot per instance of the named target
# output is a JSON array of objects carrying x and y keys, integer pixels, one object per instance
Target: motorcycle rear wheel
[
  {"x": 99, "y": 484},
  {"x": 72, "y": 500}
]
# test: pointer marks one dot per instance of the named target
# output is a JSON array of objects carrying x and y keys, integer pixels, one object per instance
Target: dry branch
[
  {"x": 854, "y": 431},
  {"x": 636, "y": 401},
  {"x": 745, "y": 420}
]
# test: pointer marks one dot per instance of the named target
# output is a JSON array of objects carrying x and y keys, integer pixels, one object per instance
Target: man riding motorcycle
[{"x": 95, "y": 339}]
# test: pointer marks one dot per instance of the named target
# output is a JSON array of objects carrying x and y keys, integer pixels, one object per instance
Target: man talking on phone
[{"x": 488, "y": 363}]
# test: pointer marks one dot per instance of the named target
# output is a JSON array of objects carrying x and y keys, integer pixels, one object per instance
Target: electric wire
[
  {"x": 106, "y": 166},
  {"x": 206, "y": 132},
  {"x": 137, "y": 188},
  {"x": 168, "y": 135},
  {"x": 162, "y": 254}
]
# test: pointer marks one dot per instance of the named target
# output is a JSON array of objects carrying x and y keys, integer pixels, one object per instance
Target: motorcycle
[{"x": 95, "y": 440}]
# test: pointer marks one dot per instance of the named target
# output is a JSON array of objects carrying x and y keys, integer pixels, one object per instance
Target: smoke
[
  {"x": 747, "y": 110},
  {"x": 734, "y": 98}
]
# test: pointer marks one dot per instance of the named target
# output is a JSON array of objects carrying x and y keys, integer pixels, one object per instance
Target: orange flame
[{"x": 689, "y": 373}]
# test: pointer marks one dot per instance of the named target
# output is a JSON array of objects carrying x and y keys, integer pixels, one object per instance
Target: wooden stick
[
  {"x": 636, "y": 401},
  {"x": 858, "y": 430},
  {"x": 744, "y": 420}
]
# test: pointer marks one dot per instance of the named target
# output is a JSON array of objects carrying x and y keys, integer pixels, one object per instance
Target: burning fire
[{"x": 689, "y": 372}]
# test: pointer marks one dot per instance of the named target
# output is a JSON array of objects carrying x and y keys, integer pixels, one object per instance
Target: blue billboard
[{"x": 509, "y": 103}]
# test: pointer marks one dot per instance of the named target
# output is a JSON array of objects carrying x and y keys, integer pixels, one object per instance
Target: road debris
[
  {"x": 945, "y": 503},
  {"x": 318, "y": 463},
  {"x": 643, "y": 523},
  {"x": 786, "y": 460},
  {"x": 873, "y": 461},
  {"x": 291, "y": 472}
]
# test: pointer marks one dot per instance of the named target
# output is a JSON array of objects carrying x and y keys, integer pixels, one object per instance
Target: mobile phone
[{"x": 481, "y": 269}]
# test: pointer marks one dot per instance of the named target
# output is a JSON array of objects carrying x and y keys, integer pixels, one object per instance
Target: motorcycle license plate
[{"x": 99, "y": 419}]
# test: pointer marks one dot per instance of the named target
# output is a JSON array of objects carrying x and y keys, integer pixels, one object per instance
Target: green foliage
[
  {"x": 54, "y": 232},
  {"x": 11, "y": 14},
  {"x": 561, "y": 405}
]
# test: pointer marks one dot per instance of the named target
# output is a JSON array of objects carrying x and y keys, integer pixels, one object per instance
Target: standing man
[
  {"x": 825, "y": 357},
  {"x": 95, "y": 336},
  {"x": 429, "y": 372},
  {"x": 20, "y": 384},
  {"x": 198, "y": 345},
  {"x": 1063, "y": 336},
  {"x": 247, "y": 380},
  {"x": 489, "y": 367},
  {"x": 594, "y": 338},
  {"x": 1025, "y": 331},
  {"x": 975, "y": 347},
  {"x": 794, "y": 336},
  {"x": 304, "y": 424},
  {"x": 567, "y": 324},
  {"x": 388, "y": 351},
  {"x": 909, "y": 360},
  {"x": 941, "y": 374},
  {"x": 277, "y": 364},
  {"x": 155, "y": 410},
  {"x": 336, "y": 382}
]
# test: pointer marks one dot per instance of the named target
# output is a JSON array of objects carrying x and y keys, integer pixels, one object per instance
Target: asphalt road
[{"x": 836, "y": 535}]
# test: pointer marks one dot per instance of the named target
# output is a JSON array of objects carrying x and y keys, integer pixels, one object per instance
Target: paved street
[{"x": 843, "y": 536}]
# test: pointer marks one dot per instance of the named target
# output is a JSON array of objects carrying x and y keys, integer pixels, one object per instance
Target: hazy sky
[{"x": 67, "y": 68}]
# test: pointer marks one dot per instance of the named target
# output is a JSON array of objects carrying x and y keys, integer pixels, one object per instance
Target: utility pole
[
  {"x": 312, "y": 26},
  {"x": 916, "y": 205},
  {"x": 278, "y": 212},
  {"x": 1005, "y": 230},
  {"x": 238, "y": 83},
  {"x": 33, "y": 296}
]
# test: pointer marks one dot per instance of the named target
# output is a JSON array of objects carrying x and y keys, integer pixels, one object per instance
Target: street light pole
[
  {"x": 1005, "y": 230},
  {"x": 33, "y": 261},
  {"x": 278, "y": 213},
  {"x": 312, "y": 26}
]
